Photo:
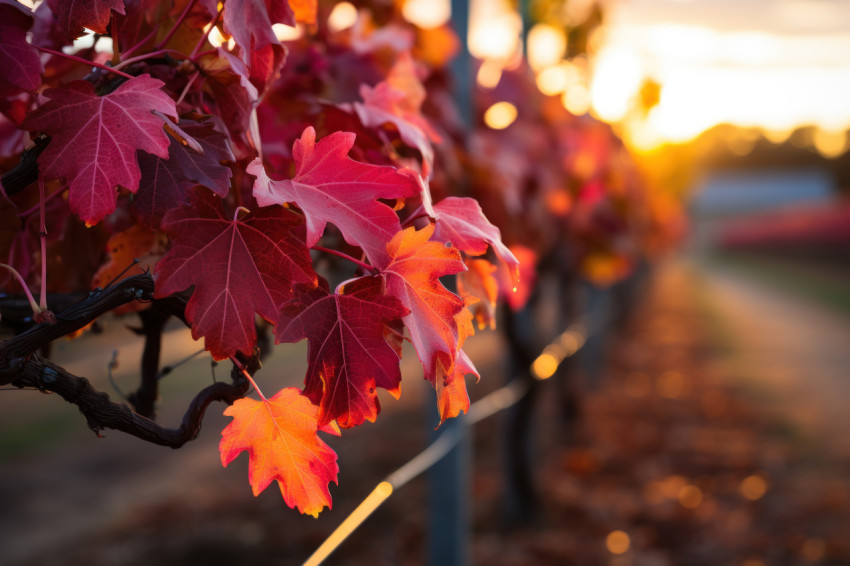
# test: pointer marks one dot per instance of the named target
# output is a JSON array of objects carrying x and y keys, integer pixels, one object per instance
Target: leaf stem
[
  {"x": 30, "y": 298},
  {"x": 49, "y": 198},
  {"x": 414, "y": 218},
  {"x": 250, "y": 379},
  {"x": 185, "y": 90},
  {"x": 84, "y": 61},
  {"x": 366, "y": 266},
  {"x": 238, "y": 210},
  {"x": 206, "y": 34},
  {"x": 42, "y": 236},
  {"x": 138, "y": 58},
  {"x": 177, "y": 24},
  {"x": 144, "y": 40}
]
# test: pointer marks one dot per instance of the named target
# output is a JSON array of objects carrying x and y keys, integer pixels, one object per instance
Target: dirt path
[{"x": 793, "y": 354}]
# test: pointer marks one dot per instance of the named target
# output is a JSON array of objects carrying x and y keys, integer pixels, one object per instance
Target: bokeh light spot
[{"x": 618, "y": 542}]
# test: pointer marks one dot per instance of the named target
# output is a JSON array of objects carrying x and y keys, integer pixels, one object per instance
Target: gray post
[{"x": 449, "y": 480}]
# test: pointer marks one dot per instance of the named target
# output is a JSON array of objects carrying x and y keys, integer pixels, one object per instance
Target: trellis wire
[{"x": 565, "y": 345}]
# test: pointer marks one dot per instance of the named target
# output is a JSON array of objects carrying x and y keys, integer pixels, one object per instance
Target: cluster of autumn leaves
[{"x": 232, "y": 171}]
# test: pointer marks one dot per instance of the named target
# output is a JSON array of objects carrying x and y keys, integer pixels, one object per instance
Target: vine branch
[
  {"x": 103, "y": 413},
  {"x": 21, "y": 367}
]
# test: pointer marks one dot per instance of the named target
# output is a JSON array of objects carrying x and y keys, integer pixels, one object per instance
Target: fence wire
[{"x": 565, "y": 345}]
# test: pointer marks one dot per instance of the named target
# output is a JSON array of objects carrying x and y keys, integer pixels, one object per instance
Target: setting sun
[{"x": 775, "y": 73}]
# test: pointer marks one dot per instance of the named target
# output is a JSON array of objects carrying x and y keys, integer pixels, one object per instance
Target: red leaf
[
  {"x": 517, "y": 291},
  {"x": 74, "y": 15},
  {"x": 280, "y": 435},
  {"x": 165, "y": 182},
  {"x": 238, "y": 268},
  {"x": 232, "y": 91},
  {"x": 21, "y": 68},
  {"x": 348, "y": 353},
  {"x": 95, "y": 138},
  {"x": 250, "y": 22},
  {"x": 331, "y": 187},
  {"x": 461, "y": 221},
  {"x": 398, "y": 100},
  {"x": 412, "y": 275},
  {"x": 265, "y": 66}
]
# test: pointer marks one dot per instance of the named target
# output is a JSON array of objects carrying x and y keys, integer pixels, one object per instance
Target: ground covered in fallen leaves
[{"x": 670, "y": 462}]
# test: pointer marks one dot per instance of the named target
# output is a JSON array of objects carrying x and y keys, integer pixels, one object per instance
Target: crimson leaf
[
  {"x": 95, "y": 138},
  {"x": 21, "y": 68},
  {"x": 238, "y": 267},
  {"x": 331, "y": 187},
  {"x": 165, "y": 182},
  {"x": 348, "y": 353},
  {"x": 74, "y": 15}
]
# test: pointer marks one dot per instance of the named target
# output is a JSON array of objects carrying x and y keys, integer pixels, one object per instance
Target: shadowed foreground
[{"x": 699, "y": 447}]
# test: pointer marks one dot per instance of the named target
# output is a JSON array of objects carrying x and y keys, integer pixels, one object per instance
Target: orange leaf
[
  {"x": 413, "y": 276},
  {"x": 138, "y": 243},
  {"x": 452, "y": 398},
  {"x": 480, "y": 282},
  {"x": 280, "y": 435},
  {"x": 304, "y": 10}
]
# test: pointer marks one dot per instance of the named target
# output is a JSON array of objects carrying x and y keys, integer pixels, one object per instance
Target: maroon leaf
[
  {"x": 265, "y": 66},
  {"x": 349, "y": 356},
  {"x": 165, "y": 182},
  {"x": 74, "y": 15},
  {"x": 331, "y": 187},
  {"x": 250, "y": 23},
  {"x": 45, "y": 29},
  {"x": 232, "y": 90},
  {"x": 95, "y": 139},
  {"x": 21, "y": 68},
  {"x": 238, "y": 268}
]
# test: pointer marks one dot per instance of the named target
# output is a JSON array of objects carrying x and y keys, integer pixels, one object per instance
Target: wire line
[{"x": 565, "y": 345}]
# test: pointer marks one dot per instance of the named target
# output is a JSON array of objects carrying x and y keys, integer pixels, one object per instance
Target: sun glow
[
  {"x": 546, "y": 46},
  {"x": 772, "y": 81},
  {"x": 617, "y": 77}
]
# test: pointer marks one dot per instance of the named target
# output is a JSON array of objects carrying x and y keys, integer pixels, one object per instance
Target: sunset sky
[
  {"x": 771, "y": 64},
  {"x": 774, "y": 64}
]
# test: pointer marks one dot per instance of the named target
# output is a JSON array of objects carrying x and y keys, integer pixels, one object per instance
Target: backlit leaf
[
  {"x": 398, "y": 100},
  {"x": 328, "y": 186},
  {"x": 413, "y": 276},
  {"x": 461, "y": 221},
  {"x": 280, "y": 436}
]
